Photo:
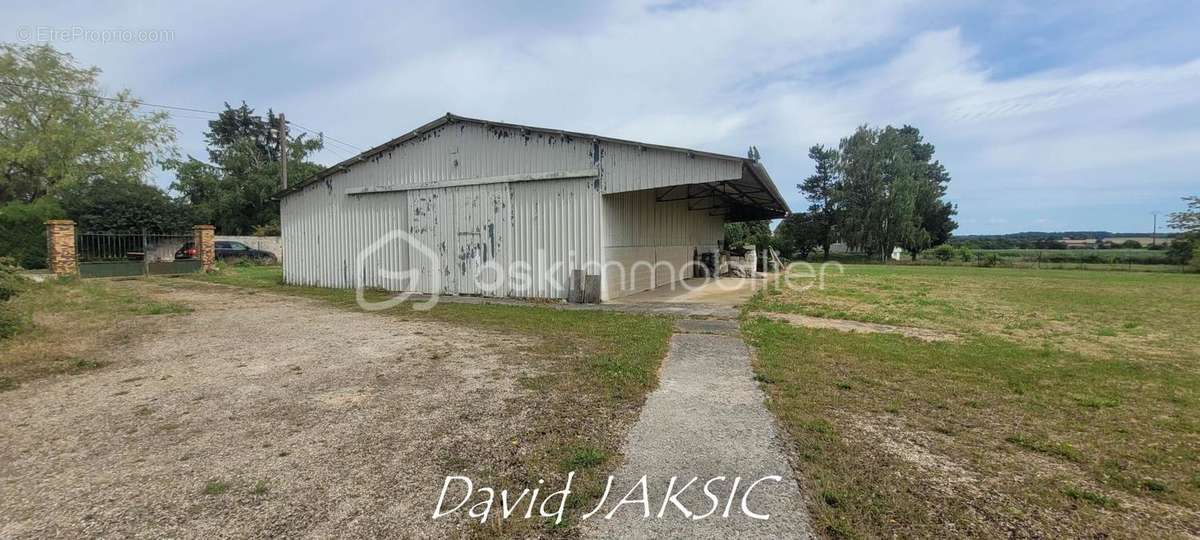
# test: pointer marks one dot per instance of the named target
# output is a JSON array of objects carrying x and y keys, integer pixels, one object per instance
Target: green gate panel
[
  {"x": 111, "y": 269},
  {"x": 174, "y": 267},
  {"x": 136, "y": 268}
]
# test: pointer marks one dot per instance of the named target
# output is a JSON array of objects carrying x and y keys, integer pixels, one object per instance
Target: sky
[{"x": 1049, "y": 116}]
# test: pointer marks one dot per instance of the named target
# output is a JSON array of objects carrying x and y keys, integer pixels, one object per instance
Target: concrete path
[{"x": 706, "y": 419}]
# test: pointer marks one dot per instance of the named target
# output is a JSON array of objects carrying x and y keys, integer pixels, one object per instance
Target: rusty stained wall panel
[
  {"x": 467, "y": 150},
  {"x": 465, "y": 229}
]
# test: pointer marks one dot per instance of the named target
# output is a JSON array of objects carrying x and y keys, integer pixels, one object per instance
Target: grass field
[
  {"x": 66, "y": 322},
  {"x": 1068, "y": 406}
]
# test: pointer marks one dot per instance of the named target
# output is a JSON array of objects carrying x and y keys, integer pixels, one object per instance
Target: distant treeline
[{"x": 1041, "y": 240}]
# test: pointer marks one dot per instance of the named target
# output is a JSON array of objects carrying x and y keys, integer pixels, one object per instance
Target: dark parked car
[{"x": 228, "y": 250}]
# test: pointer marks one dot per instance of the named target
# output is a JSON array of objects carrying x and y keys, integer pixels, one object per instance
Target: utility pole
[
  {"x": 1154, "y": 235},
  {"x": 283, "y": 151}
]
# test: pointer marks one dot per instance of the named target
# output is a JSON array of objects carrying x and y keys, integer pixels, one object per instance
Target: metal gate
[{"x": 135, "y": 254}]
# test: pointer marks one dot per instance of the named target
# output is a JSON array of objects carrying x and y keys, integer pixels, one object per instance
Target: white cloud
[{"x": 720, "y": 76}]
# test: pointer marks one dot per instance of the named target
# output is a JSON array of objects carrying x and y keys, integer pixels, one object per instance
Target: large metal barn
[{"x": 474, "y": 207}]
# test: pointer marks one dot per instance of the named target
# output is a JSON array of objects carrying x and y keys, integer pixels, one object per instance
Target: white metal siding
[
  {"x": 553, "y": 226},
  {"x": 648, "y": 244},
  {"x": 324, "y": 232},
  {"x": 555, "y": 229}
]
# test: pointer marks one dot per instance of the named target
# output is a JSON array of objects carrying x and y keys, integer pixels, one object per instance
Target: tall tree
[
  {"x": 54, "y": 131},
  {"x": 891, "y": 190},
  {"x": 110, "y": 205},
  {"x": 1188, "y": 220},
  {"x": 798, "y": 234},
  {"x": 821, "y": 191},
  {"x": 748, "y": 232},
  {"x": 233, "y": 189}
]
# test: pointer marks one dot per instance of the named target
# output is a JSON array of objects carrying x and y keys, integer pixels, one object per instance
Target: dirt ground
[{"x": 257, "y": 415}]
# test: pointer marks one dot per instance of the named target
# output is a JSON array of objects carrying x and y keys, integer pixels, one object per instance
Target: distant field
[
  {"x": 1104, "y": 254},
  {"x": 1069, "y": 406},
  {"x": 1095, "y": 259}
]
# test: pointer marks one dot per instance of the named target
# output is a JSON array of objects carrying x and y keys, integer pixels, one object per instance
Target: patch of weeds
[
  {"x": 764, "y": 379},
  {"x": 1106, "y": 332},
  {"x": 1154, "y": 486},
  {"x": 842, "y": 385},
  {"x": 831, "y": 499},
  {"x": 1057, "y": 449},
  {"x": 1096, "y": 402},
  {"x": 7, "y": 383},
  {"x": 79, "y": 364},
  {"x": 891, "y": 408},
  {"x": 260, "y": 488},
  {"x": 161, "y": 308},
  {"x": 10, "y": 322},
  {"x": 1092, "y": 497},
  {"x": 215, "y": 487},
  {"x": 584, "y": 457},
  {"x": 1130, "y": 325},
  {"x": 818, "y": 426},
  {"x": 944, "y": 430}
]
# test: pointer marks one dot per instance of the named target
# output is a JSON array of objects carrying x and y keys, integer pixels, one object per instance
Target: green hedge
[{"x": 23, "y": 231}]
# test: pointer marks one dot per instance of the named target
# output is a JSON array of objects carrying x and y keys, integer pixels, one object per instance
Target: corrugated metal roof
[{"x": 754, "y": 167}]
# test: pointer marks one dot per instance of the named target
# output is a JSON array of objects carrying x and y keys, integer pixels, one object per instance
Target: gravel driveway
[{"x": 258, "y": 415}]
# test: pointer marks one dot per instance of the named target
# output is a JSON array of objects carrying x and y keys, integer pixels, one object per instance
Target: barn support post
[
  {"x": 60, "y": 247},
  {"x": 204, "y": 246}
]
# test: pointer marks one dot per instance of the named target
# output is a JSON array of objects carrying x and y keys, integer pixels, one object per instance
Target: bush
[
  {"x": 944, "y": 252},
  {"x": 269, "y": 229},
  {"x": 1195, "y": 264},
  {"x": 10, "y": 321},
  {"x": 11, "y": 281},
  {"x": 1180, "y": 252},
  {"x": 989, "y": 260},
  {"x": 966, "y": 254},
  {"x": 24, "y": 226}
]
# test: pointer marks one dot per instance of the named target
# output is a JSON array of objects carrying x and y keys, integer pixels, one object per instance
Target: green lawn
[
  {"x": 1068, "y": 406},
  {"x": 65, "y": 324}
]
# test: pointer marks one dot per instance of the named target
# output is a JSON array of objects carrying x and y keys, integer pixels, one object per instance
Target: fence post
[
  {"x": 204, "y": 246},
  {"x": 60, "y": 247}
]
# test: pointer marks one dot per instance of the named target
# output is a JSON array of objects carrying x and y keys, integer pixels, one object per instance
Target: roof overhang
[{"x": 751, "y": 197}]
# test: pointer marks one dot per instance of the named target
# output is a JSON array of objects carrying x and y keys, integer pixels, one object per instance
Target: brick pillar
[
  {"x": 60, "y": 247},
  {"x": 204, "y": 246}
]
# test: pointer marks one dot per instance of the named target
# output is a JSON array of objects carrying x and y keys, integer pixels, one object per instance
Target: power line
[
  {"x": 161, "y": 106},
  {"x": 106, "y": 98},
  {"x": 326, "y": 136}
]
